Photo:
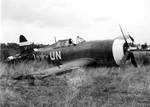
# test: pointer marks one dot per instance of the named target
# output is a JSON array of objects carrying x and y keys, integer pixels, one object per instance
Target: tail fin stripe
[{"x": 24, "y": 43}]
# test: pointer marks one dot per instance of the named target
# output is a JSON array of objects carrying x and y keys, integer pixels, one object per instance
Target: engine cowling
[{"x": 118, "y": 50}]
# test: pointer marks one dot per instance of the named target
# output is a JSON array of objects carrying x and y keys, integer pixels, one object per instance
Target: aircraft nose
[{"x": 118, "y": 51}]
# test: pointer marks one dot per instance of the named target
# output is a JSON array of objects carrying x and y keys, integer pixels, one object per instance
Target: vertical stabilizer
[
  {"x": 24, "y": 44},
  {"x": 23, "y": 41}
]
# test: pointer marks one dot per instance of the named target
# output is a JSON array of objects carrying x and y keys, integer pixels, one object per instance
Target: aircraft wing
[{"x": 63, "y": 68}]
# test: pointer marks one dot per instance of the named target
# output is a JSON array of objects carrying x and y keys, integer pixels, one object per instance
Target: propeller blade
[
  {"x": 132, "y": 58},
  {"x": 129, "y": 56},
  {"x": 123, "y": 34},
  {"x": 131, "y": 37}
]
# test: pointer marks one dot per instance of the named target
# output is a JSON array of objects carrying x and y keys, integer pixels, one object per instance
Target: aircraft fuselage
[{"x": 101, "y": 51}]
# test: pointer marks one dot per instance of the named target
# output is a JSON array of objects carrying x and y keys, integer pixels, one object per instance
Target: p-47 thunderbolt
[{"x": 69, "y": 56}]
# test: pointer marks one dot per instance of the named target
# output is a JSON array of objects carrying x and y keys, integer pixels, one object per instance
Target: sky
[{"x": 42, "y": 20}]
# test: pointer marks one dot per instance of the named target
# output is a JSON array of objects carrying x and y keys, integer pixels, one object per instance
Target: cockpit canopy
[{"x": 63, "y": 43}]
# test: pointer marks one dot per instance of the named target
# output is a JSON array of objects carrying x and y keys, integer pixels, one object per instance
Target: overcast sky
[{"x": 41, "y": 20}]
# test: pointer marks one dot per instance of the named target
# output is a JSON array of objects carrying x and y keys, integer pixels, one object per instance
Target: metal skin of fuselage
[{"x": 102, "y": 52}]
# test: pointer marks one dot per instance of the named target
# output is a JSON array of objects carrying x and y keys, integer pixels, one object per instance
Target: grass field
[{"x": 92, "y": 87}]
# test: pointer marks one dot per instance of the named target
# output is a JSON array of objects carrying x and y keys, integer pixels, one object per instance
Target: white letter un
[
  {"x": 52, "y": 55},
  {"x": 58, "y": 55}
]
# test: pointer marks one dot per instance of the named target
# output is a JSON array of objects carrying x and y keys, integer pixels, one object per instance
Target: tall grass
[
  {"x": 85, "y": 87},
  {"x": 142, "y": 57}
]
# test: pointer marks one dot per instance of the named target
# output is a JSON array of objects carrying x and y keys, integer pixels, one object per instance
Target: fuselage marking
[{"x": 55, "y": 55}]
